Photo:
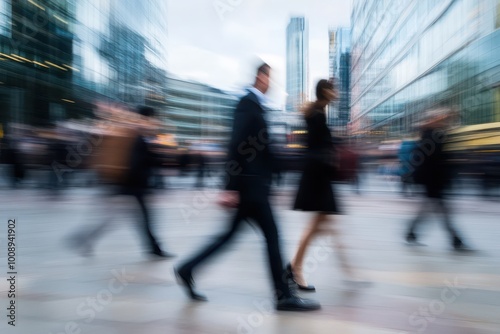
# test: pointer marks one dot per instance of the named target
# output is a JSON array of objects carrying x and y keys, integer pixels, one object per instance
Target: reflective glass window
[
  {"x": 5, "y": 17},
  {"x": 497, "y": 21}
]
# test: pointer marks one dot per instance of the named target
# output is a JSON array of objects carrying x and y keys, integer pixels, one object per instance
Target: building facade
[
  {"x": 196, "y": 113},
  {"x": 410, "y": 56},
  {"x": 339, "y": 70},
  {"x": 297, "y": 63},
  {"x": 59, "y": 57}
]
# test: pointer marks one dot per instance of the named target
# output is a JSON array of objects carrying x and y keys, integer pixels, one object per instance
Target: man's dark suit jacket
[{"x": 250, "y": 160}]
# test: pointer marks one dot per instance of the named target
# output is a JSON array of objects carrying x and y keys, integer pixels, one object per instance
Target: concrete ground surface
[{"x": 429, "y": 289}]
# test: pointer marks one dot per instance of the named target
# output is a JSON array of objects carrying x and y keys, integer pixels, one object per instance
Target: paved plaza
[{"x": 120, "y": 289}]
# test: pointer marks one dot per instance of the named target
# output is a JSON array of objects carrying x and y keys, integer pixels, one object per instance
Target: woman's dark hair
[
  {"x": 263, "y": 68},
  {"x": 323, "y": 84},
  {"x": 146, "y": 111}
]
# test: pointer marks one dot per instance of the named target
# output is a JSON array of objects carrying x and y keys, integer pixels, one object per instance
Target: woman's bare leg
[{"x": 306, "y": 239}]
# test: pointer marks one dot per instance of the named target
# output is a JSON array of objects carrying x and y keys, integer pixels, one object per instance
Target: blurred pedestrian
[
  {"x": 185, "y": 162},
  {"x": 201, "y": 164},
  {"x": 130, "y": 148},
  {"x": 56, "y": 155},
  {"x": 250, "y": 169},
  {"x": 315, "y": 192},
  {"x": 13, "y": 158},
  {"x": 405, "y": 169},
  {"x": 434, "y": 173}
]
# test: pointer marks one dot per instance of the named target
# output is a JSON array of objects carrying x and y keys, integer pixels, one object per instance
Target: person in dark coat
[
  {"x": 13, "y": 158},
  {"x": 315, "y": 193},
  {"x": 57, "y": 154},
  {"x": 249, "y": 168},
  {"x": 135, "y": 184},
  {"x": 433, "y": 172},
  {"x": 201, "y": 162}
]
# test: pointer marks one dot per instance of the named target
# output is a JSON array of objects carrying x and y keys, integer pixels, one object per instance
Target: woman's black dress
[{"x": 315, "y": 191}]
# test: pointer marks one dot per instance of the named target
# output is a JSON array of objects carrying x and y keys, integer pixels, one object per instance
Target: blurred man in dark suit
[{"x": 249, "y": 168}]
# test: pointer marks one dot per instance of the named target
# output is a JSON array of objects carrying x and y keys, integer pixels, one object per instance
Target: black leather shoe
[
  {"x": 295, "y": 303},
  {"x": 289, "y": 271},
  {"x": 463, "y": 249},
  {"x": 412, "y": 240},
  {"x": 459, "y": 246},
  {"x": 186, "y": 279},
  {"x": 457, "y": 242},
  {"x": 161, "y": 254}
]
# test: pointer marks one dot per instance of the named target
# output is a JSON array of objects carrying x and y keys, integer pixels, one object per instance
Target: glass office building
[
  {"x": 339, "y": 70},
  {"x": 297, "y": 63},
  {"x": 412, "y": 55},
  {"x": 59, "y": 57}
]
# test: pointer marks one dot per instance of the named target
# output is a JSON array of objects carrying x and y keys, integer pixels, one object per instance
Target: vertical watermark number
[{"x": 11, "y": 271}]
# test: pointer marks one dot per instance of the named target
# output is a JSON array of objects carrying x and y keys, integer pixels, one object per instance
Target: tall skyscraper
[
  {"x": 339, "y": 61},
  {"x": 297, "y": 63},
  {"x": 412, "y": 56}
]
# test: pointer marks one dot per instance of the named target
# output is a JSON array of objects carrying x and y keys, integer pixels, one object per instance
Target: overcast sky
[{"x": 219, "y": 42}]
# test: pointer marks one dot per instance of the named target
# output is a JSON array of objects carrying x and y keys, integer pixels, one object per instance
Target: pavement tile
[{"x": 55, "y": 284}]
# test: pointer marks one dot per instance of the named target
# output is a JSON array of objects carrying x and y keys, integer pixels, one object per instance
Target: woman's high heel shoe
[{"x": 298, "y": 280}]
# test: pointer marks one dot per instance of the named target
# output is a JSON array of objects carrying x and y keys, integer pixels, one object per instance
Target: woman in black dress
[{"x": 315, "y": 192}]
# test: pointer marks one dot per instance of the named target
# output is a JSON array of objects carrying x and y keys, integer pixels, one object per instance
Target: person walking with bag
[
  {"x": 125, "y": 164},
  {"x": 249, "y": 168},
  {"x": 315, "y": 193}
]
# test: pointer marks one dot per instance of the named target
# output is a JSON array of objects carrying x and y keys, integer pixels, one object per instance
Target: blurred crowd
[
  {"x": 68, "y": 153},
  {"x": 126, "y": 153},
  {"x": 65, "y": 155}
]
